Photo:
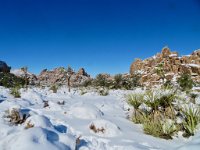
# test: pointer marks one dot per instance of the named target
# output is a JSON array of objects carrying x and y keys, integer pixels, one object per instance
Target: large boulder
[
  {"x": 4, "y": 67},
  {"x": 59, "y": 76},
  {"x": 172, "y": 64}
]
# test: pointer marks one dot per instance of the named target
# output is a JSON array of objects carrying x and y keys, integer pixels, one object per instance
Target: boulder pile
[{"x": 173, "y": 66}]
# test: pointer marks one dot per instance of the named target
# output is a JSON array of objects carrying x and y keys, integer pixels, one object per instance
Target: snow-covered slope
[{"x": 68, "y": 123}]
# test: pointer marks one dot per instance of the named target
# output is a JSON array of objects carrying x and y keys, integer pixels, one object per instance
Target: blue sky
[{"x": 99, "y": 35}]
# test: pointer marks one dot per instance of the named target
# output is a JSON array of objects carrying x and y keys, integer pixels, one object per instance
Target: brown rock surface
[{"x": 172, "y": 65}]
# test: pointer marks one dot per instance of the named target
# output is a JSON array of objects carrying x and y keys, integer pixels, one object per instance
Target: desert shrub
[
  {"x": 136, "y": 100},
  {"x": 185, "y": 82},
  {"x": 103, "y": 91},
  {"x": 152, "y": 127},
  {"x": 15, "y": 117},
  {"x": 54, "y": 88},
  {"x": 10, "y": 80},
  {"x": 192, "y": 119},
  {"x": 118, "y": 80},
  {"x": 15, "y": 92},
  {"x": 158, "y": 128},
  {"x": 46, "y": 104},
  {"x": 168, "y": 85},
  {"x": 96, "y": 130},
  {"x": 87, "y": 83},
  {"x": 101, "y": 80},
  {"x": 135, "y": 78},
  {"x": 193, "y": 97},
  {"x": 83, "y": 91},
  {"x": 29, "y": 125}
]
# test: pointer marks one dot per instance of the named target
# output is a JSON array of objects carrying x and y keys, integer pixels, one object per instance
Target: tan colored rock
[
  {"x": 166, "y": 52},
  {"x": 172, "y": 64}
]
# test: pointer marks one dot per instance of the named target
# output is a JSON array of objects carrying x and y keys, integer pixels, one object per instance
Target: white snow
[
  {"x": 67, "y": 126},
  {"x": 19, "y": 72},
  {"x": 173, "y": 55}
]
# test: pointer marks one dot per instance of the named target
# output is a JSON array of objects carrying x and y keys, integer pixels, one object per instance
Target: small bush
[
  {"x": 15, "y": 92},
  {"x": 96, "y": 130},
  {"x": 168, "y": 85},
  {"x": 87, "y": 83},
  {"x": 118, "y": 81},
  {"x": 29, "y": 125},
  {"x": 101, "y": 80},
  {"x": 54, "y": 88},
  {"x": 157, "y": 128},
  {"x": 103, "y": 91},
  {"x": 193, "y": 97},
  {"x": 10, "y": 80},
  {"x": 83, "y": 91},
  {"x": 16, "y": 117},
  {"x": 185, "y": 82}
]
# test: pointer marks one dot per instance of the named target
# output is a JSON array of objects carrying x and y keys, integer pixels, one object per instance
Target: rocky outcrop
[
  {"x": 59, "y": 76},
  {"x": 173, "y": 66},
  {"x": 4, "y": 67},
  {"x": 32, "y": 78}
]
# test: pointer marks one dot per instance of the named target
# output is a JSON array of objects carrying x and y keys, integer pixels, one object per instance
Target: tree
[
  {"x": 25, "y": 71},
  {"x": 69, "y": 72}
]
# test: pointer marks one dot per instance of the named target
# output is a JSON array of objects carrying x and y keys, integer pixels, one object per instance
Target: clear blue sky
[{"x": 99, "y": 35}]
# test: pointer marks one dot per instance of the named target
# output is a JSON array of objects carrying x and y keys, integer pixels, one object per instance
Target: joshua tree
[
  {"x": 25, "y": 70},
  {"x": 69, "y": 72}
]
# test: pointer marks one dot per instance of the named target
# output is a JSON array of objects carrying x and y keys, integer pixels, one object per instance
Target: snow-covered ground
[{"x": 68, "y": 121}]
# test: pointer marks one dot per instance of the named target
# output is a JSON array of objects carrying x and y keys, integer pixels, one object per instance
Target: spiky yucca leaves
[
  {"x": 152, "y": 101},
  {"x": 136, "y": 100},
  {"x": 192, "y": 119},
  {"x": 158, "y": 128}
]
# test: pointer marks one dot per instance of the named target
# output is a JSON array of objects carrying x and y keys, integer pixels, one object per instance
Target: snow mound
[
  {"x": 30, "y": 93},
  {"x": 104, "y": 128},
  {"x": 85, "y": 111},
  {"x": 39, "y": 121},
  {"x": 36, "y": 138},
  {"x": 194, "y": 144}
]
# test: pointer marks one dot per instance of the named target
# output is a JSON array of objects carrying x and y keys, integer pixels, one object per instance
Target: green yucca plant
[
  {"x": 192, "y": 119},
  {"x": 158, "y": 128},
  {"x": 15, "y": 92},
  {"x": 136, "y": 100}
]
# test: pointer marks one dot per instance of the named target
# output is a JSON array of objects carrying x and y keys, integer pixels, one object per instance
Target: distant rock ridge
[
  {"x": 173, "y": 66},
  {"x": 58, "y": 76}
]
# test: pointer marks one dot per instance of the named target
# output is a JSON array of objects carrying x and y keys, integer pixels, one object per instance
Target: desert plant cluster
[{"x": 164, "y": 112}]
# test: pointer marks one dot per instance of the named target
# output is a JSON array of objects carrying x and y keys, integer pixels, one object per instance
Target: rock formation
[
  {"x": 59, "y": 76},
  {"x": 30, "y": 76},
  {"x": 173, "y": 66},
  {"x": 4, "y": 67}
]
